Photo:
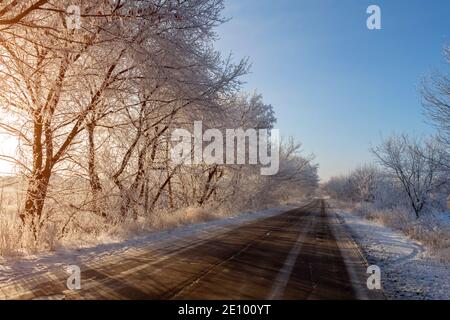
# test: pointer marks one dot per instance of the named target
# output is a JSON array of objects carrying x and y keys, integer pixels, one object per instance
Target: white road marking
[{"x": 283, "y": 276}]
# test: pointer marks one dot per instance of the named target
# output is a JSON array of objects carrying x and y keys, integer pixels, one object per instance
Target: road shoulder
[
  {"x": 355, "y": 260},
  {"x": 407, "y": 271}
]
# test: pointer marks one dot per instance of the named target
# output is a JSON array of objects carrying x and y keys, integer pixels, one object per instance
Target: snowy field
[
  {"x": 408, "y": 270},
  {"x": 13, "y": 269}
]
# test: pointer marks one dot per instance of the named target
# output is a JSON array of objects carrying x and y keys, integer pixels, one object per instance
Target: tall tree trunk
[
  {"x": 208, "y": 185},
  {"x": 169, "y": 183},
  {"x": 35, "y": 199},
  {"x": 94, "y": 180},
  {"x": 38, "y": 181}
]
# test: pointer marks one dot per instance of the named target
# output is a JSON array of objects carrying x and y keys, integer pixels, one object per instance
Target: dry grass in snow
[{"x": 432, "y": 229}]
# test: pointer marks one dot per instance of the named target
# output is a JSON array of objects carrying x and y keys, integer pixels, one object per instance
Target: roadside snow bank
[{"x": 408, "y": 270}]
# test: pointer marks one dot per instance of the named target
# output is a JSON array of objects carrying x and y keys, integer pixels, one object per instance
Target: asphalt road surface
[{"x": 305, "y": 253}]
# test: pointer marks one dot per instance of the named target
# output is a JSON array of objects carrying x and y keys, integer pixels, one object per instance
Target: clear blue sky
[{"x": 335, "y": 85}]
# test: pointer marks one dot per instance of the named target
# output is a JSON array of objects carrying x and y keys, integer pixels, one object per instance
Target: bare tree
[
  {"x": 93, "y": 108},
  {"x": 436, "y": 100},
  {"x": 364, "y": 181},
  {"x": 15, "y": 11},
  {"x": 59, "y": 82},
  {"x": 436, "y": 94},
  {"x": 419, "y": 175},
  {"x": 339, "y": 187},
  {"x": 43, "y": 78}
]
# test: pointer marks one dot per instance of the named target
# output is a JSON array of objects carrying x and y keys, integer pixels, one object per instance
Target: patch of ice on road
[
  {"x": 14, "y": 269},
  {"x": 407, "y": 270}
]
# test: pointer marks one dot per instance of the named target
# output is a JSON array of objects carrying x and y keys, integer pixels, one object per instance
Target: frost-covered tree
[
  {"x": 363, "y": 182},
  {"x": 436, "y": 100},
  {"x": 416, "y": 165},
  {"x": 14, "y": 12},
  {"x": 93, "y": 109},
  {"x": 436, "y": 95},
  {"x": 338, "y": 187},
  {"x": 131, "y": 65}
]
